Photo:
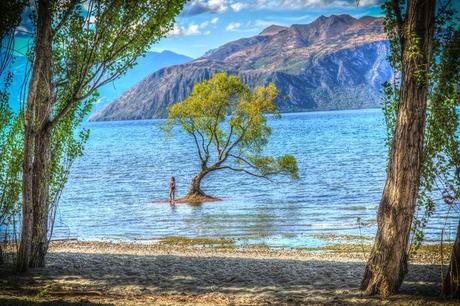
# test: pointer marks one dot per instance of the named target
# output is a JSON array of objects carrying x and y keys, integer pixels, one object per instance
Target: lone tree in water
[{"x": 235, "y": 142}]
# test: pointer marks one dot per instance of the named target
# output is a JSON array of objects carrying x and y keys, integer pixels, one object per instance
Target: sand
[{"x": 97, "y": 273}]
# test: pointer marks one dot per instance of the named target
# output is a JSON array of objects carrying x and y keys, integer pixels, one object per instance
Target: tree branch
[
  {"x": 243, "y": 160},
  {"x": 247, "y": 172},
  {"x": 228, "y": 141},
  {"x": 50, "y": 125},
  {"x": 197, "y": 146},
  {"x": 235, "y": 143},
  {"x": 399, "y": 22},
  {"x": 65, "y": 17}
]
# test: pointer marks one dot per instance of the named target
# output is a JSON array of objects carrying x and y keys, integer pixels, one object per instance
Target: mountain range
[
  {"x": 335, "y": 62},
  {"x": 150, "y": 62}
]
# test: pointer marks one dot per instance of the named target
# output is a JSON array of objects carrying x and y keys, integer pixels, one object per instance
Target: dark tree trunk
[
  {"x": 451, "y": 287},
  {"x": 387, "y": 264},
  {"x": 195, "y": 185},
  {"x": 23, "y": 256},
  {"x": 38, "y": 99},
  {"x": 40, "y": 199},
  {"x": 42, "y": 155}
]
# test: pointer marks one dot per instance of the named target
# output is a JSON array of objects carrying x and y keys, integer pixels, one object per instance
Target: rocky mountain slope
[
  {"x": 335, "y": 62},
  {"x": 146, "y": 65}
]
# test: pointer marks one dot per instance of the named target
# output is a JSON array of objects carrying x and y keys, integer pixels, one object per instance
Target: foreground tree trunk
[
  {"x": 451, "y": 287},
  {"x": 40, "y": 199},
  {"x": 387, "y": 264},
  {"x": 38, "y": 105},
  {"x": 42, "y": 155}
]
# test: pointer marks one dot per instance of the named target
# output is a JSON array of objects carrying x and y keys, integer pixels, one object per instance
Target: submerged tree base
[{"x": 197, "y": 199}]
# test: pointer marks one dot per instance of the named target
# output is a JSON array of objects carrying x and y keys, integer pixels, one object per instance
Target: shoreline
[
  {"x": 335, "y": 247},
  {"x": 345, "y": 248},
  {"x": 170, "y": 273}
]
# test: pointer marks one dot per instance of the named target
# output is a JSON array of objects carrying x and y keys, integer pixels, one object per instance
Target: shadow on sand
[{"x": 105, "y": 278}]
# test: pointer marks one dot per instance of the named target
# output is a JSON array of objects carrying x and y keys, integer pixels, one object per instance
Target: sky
[{"x": 207, "y": 24}]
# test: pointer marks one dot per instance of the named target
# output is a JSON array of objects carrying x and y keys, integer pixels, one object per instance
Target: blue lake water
[{"x": 115, "y": 189}]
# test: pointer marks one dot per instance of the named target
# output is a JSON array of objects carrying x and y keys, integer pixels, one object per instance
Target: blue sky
[{"x": 207, "y": 24}]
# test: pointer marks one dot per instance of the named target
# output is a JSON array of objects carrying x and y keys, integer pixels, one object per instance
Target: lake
[{"x": 115, "y": 190}]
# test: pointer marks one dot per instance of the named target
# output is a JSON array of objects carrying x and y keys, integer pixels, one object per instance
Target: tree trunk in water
[
  {"x": 38, "y": 93},
  {"x": 451, "y": 287},
  {"x": 195, "y": 188},
  {"x": 387, "y": 264}
]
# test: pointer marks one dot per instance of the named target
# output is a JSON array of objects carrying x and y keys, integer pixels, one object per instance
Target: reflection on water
[{"x": 116, "y": 189}]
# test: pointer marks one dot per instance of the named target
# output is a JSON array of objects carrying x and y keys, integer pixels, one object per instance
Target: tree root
[{"x": 197, "y": 199}]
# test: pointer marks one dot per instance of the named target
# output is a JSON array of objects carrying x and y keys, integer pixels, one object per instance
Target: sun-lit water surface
[{"x": 115, "y": 189}]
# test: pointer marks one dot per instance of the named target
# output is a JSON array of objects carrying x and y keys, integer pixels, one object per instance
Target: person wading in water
[{"x": 172, "y": 190}]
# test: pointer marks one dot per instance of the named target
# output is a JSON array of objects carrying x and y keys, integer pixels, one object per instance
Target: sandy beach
[{"x": 99, "y": 273}]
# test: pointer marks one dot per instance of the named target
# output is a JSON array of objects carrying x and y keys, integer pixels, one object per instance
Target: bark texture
[
  {"x": 451, "y": 287},
  {"x": 195, "y": 186},
  {"x": 387, "y": 264},
  {"x": 38, "y": 106},
  {"x": 42, "y": 154}
]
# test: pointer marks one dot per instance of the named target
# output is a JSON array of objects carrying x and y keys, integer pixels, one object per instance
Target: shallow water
[{"x": 115, "y": 189}]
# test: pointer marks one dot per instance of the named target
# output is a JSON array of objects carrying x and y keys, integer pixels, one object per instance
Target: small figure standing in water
[{"x": 172, "y": 190}]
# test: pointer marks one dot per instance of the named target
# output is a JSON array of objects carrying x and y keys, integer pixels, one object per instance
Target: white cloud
[
  {"x": 232, "y": 26},
  {"x": 204, "y": 25},
  {"x": 298, "y": 4},
  {"x": 208, "y": 23},
  {"x": 191, "y": 29},
  {"x": 236, "y": 7},
  {"x": 196, "y": 7}
]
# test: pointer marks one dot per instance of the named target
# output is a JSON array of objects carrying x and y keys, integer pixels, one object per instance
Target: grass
[
  {"x": 40, "y": 295},
  {"x": 331, "y": 236},
  {"x": 429, "y": 252},
  {"x": 207, "y": 242},
  {"x": 341, "y": 248}
]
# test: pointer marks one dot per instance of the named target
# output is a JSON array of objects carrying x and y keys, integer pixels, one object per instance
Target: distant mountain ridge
[
  {"x": 335, "y": 62},
  {"x": 150, "y": 62}
]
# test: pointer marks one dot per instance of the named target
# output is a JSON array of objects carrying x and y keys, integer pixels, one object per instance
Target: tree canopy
[{"x": 228, "y": 124}]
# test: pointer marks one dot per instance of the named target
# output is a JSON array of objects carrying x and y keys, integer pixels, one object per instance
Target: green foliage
[
  {"x": 391, "y": 29},
  {"x": 101, "y": 41},
  {"x": 441, "y": 161},
  {"x": 441, "y": 156},
  {"x": 288, "y": 164},
  {"x": 11, "y": 131},
  {"x": 390, "y": 104},
  {"x": 228, "y": 123},
  {"x": 93, "y": 45},
  {"x": 10, "y": 16}
]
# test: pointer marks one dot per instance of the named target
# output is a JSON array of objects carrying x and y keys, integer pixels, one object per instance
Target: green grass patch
[
  {"x": 207, "y": 242},
  {"x": 331, "y": 236}
]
